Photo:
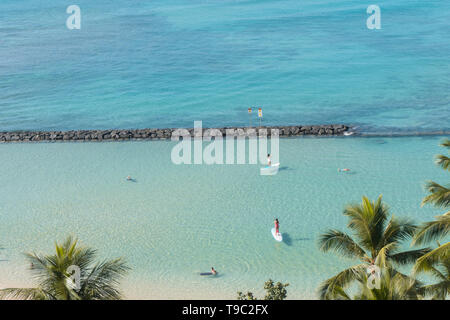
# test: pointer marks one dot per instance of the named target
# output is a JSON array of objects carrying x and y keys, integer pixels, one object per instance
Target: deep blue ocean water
[{"x": 137, "y": 64}]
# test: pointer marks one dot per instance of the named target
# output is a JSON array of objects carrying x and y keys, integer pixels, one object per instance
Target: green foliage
[
  {"x": 437, "y": 261},
  {"x": 441, "y": 160},
  {"x": 274, "y": 291},
  {"x": 392, "y": 285},
  {"x": 433, "y": 230},
  {"x": 439, "y": 195},
  {"x": 248, "y": 296},
  {"x": 98, "y": 281},
  {"x": 376, "y": 241},
  {"x": 376, "y": 237}
]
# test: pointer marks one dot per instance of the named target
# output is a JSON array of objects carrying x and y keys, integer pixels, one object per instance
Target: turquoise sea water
[
  {"x": 137, "y": 64},
  {"x": 158, "y": 63},
  {"x": 179, "y": 220}
]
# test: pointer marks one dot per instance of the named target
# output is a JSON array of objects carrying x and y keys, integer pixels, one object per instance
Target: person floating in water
[
  {"x": 277, "y": 226},
  {"x": 345, "y": 170},
  {"x": 129, "y": 178},
  {"x": 269, "y": 160},
  {"x": 213, "y": 271}
]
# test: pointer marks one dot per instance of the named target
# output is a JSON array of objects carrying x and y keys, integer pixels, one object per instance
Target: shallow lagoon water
[{"x": 176, "y": 221}]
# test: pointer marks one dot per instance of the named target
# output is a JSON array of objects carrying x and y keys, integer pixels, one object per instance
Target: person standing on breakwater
[{"x": 269, "y": 160}]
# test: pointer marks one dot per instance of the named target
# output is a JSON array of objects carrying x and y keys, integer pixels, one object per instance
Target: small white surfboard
[
  {"x": 277, "y": 236},
  {"x": 269, "y": 171}
]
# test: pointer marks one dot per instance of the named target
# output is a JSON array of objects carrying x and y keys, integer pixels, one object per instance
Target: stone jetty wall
[{"x": 159, "y": 134}]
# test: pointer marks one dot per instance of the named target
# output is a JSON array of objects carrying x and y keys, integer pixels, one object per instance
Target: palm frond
[
  {"x": 340, "y": 294},
  {"x": 398, "y": 229},
  {"x": 24, "y": 294},
  {"x": 439, "y": 195},
  {"x": 433, "y": 230},
  {"x": 341, "y": 243},
  {"x": 438, "y": 291},
  {"x": 332, "y": 287},
  {"x": 103, "y": 280},
  {"x": 446, "y": 143},
  {"x": 439, "y": 255},
  {"x": 408, "y": 257},
  {"x": 443, "y": 161},
  {"x": 382, "y": 257},
  {"x": 378, "y": 223},
  {"x": 441, "y": 289}
]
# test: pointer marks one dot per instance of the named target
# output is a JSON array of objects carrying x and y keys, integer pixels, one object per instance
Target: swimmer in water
[
  {"x": 129, "y": 178},
  {"x": 345, "y": 169},
  {"x": 269, "y": 160},
  {"x": 213, "y": 271}
]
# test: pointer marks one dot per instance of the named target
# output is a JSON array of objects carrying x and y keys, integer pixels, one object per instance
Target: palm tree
[
  {"x": 55, "y": 280},
  {"x": 436, "y": 262},
  {"x": 376, "y": 243}
]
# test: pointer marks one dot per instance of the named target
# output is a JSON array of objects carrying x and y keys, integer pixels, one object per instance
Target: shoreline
[{"x": 17, "y": 275}]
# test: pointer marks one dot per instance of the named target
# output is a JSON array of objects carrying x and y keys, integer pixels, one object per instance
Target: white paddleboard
[
  {"x": 277, "y": 236},
  {"x": 268, "y": 171}
]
